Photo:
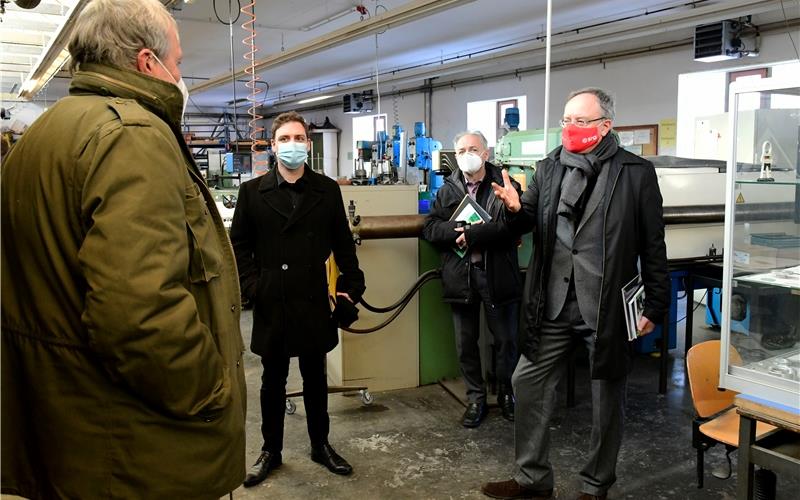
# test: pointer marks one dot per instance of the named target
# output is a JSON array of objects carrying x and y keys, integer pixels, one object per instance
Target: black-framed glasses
[{"x": 580, "y": 122}]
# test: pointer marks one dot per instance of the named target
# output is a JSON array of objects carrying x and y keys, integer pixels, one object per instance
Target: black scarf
[{"x": 581, "y": 170}]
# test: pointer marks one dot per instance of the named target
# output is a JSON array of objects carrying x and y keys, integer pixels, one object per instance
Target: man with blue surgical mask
[
  {"x": 286, "y": 225},
  {"x": 483, "y": 270}
]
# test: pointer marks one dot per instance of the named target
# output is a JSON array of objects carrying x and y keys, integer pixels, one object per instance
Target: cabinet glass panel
[{"x": 761, "y": 287}]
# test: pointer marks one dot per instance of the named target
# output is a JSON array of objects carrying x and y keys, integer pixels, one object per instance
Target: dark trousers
[
  {"x": 535, "y": 382},
  {"x": 273, "y": 399},
  {"x": 503, "y": 324}
]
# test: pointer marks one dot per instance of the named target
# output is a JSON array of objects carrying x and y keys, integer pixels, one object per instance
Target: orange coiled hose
[{"x": 260, "y": 163}]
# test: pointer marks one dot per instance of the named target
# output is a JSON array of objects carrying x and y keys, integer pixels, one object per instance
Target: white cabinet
[{"x": 761, "y": 278}]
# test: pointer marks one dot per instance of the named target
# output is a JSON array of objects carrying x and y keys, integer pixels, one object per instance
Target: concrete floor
[{"x": 409, "y": 444}]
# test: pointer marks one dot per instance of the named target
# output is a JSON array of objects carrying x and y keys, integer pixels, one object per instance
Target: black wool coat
[
  {"x": 633, "y": 225},
  {"x": 494, "y": 239},
  {"x": 281, "y": 256}
]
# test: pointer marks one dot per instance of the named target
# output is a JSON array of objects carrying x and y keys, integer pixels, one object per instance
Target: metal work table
[
  {"x": 779, "y": 452},
  {"x": 698, "y": 273}
]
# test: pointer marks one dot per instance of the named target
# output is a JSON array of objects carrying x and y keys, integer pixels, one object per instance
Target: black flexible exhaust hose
[{"x": 398, "y": 306}]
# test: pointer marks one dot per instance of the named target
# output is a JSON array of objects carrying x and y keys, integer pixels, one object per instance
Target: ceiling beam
[{"x": 393, "y": 18}]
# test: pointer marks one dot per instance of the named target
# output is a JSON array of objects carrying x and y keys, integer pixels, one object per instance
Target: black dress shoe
[
  {"x": 258, "y": 472},
  {"x": 506, "y": 403},
  {"x": 328, "y": 457},
  {"x": 507, "y": 490},
  {"x": 474, "y": 414}
]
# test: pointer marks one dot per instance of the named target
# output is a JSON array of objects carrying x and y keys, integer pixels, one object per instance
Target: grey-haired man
[
  {"x": 486, "y": 272},
  {"x": 596, "y": 212}
]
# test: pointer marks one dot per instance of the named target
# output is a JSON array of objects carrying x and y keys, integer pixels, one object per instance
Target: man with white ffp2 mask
[
  {"x": 484, "y": 271},
  {"x": 179, "y": 82}
]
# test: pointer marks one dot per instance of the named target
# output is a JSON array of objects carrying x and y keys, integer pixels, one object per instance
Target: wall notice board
[{"x": 639, "y": 139}]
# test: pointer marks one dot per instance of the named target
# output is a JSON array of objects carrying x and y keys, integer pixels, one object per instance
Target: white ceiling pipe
[{"x": 547, "y": 72}]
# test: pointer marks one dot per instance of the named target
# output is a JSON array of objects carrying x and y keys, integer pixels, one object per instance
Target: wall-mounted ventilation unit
[
  {"x": 725, "y": 40},
  {"x": 357, "y": 103}
]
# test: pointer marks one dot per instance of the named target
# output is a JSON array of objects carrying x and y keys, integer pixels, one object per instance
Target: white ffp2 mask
[
  {"x": 469, "y": 163},
  {"x": 180, "y": 84}
]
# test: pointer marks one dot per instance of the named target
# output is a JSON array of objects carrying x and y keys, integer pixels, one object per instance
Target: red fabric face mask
[{"x": 578, "y": 139}]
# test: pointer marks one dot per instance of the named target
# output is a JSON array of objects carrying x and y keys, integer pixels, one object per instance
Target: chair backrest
[{"x": 702, "y": 366}]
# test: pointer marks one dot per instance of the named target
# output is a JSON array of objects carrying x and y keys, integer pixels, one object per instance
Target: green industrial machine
[
  {"x": 518, "y": 151},
  {"x": 437, "y": 342},
  {"x": 523, "y": 148}
]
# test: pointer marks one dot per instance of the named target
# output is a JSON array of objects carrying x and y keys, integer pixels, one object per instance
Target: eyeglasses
[{"x": 580, "y": 122}]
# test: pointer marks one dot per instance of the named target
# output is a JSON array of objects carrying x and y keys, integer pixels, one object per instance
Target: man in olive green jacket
[{"x": 121, "y": 349}]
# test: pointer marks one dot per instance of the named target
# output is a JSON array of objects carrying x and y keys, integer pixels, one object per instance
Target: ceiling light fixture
[
  {"x": 54, "y": 55},
  {"x": 328, "y": 19},
  {"x": 314, "y": 99}
]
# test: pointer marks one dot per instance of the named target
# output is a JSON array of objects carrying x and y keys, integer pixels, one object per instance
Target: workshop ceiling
[
  {"x": 462, "y": 39},
  {"x": 326, "y": 47}
]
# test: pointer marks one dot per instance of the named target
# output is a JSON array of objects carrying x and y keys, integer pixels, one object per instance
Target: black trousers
[
  {"x": 273, "y": 399},
  {"x": 535, "y": 381},
  {"x": 503, "y": 324}
]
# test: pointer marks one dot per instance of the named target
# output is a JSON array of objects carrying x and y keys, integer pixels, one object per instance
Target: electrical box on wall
[{"x": 357, "y": 103}]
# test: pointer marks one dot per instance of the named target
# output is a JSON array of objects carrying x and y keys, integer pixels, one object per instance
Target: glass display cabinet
[{"x": 761, "y": 276}]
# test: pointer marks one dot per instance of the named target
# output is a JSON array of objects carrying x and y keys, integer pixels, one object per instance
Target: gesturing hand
[{"x": 507, "y": 194}]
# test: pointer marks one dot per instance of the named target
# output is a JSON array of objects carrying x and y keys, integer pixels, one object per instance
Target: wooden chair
[{"x": 716, "y": 420}]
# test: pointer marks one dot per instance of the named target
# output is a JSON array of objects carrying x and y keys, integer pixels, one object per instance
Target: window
[
  {"x": 502, "y": 106},
  {"x": 487, "y": 116},
  {"x": 702, "y": 125}
]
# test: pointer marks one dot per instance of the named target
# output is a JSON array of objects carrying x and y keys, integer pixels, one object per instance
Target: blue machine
[
  {"x": 512, "y": 118},
  {"x": 382, "y": 170},
  {"x": 397, "y": 136},
  {"x": 381, "y": 143},
  {"x": 420, "y": 156}
]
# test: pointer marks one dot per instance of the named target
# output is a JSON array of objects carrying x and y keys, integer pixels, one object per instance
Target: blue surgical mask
[{"x": 292, "y": 154}]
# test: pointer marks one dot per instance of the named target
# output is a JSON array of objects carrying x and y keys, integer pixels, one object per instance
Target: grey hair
[
  {"x": 605, "y": 99},
  {"x": 112, "y": 32},
  {"x": 476, "y": 133}
]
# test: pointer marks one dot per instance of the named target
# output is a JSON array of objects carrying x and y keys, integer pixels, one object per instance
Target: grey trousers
[
  {"x": 535, "y": 382},
  {"x": 503, "y": 322}
]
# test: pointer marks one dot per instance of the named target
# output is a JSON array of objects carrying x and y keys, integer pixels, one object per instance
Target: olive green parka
[{"x": 121, "y": 349}]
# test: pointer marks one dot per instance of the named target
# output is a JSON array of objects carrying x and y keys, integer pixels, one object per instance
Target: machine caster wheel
[
  {"x": 366, "y": 397},
  {"x": 290, "y": 407}
]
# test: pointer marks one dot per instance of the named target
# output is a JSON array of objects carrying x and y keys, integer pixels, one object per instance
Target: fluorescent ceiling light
[
  {"x": 54, "y": 54},
  {"x": 717, "y": 58},
  {"x": 48, "y": 31},
  {"x": 328, "y": 19},
  {"x": 314, "y": 99}
]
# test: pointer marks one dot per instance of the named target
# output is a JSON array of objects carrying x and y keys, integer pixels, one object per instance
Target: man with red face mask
[{"x": 596, "y": 213}]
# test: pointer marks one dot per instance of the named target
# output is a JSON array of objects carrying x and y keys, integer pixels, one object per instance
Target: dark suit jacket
[
  {"x": 281, "y": 256},
  {"x": 633, "y": 232}
]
